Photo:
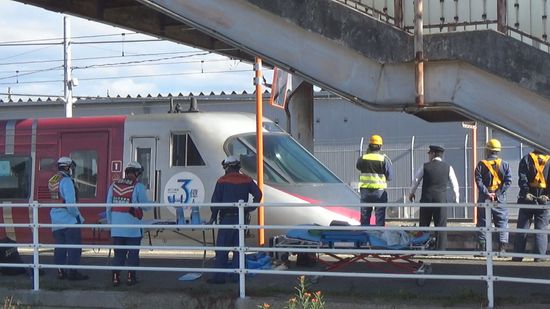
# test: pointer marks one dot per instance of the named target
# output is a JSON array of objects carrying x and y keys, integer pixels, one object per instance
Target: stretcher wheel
[
  {"x": 425, "y": 268},
  {"x": 285, "y": 256}
]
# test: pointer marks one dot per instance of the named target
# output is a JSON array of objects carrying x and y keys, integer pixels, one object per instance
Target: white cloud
[{"x": 24, "y": 22}]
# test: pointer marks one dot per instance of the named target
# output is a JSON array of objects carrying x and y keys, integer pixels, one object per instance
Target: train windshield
[{"x": 285, "y": 161}]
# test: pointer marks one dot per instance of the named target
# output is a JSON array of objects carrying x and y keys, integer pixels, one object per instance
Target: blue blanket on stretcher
[{"x": 377, "y": 239}]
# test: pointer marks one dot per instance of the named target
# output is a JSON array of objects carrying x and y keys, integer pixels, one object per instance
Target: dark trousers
[
  {"x": 540, "y": 217},
  {"x": 227, "y": 238},
  {"x": 130, "y": 257},
  {"x": 373, "y": 196},
  {"x": 67, "y": 256},
  {"x": 439, "y": 215},
  {"x": 499, "y": 215}
]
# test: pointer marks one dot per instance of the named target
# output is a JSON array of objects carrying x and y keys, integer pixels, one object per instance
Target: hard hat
[
  {"x": 494, "y": 145},
  {"x": 65, "y": 161},
  {"x": 135, "y": 167},
  {"x": 230, "y": 161},
  {"x": 376, "y": 140}
]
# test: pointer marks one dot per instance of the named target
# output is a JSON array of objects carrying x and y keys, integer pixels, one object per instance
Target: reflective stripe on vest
[
  {"x": 373, "y": 180},
  {"x": 539, "y": 162},
  {"x": 496, "y": 181},
  {"x": 122, "y": 194},
  {"x": 53, "y": 186}
]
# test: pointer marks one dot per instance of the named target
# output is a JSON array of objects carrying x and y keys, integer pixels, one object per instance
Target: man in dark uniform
[
  {"x": 376, "y": 171},
  {"x": 435, "y": 175},
  {"x": 230, "y": 188},
  {"x": 533, "y": 185},
  {"x": 493, "y": 178}
]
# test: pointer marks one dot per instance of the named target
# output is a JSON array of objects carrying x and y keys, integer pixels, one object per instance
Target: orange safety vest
[
  {"x": 494, "y": 167},
  {"x": 539, "y": 162}
]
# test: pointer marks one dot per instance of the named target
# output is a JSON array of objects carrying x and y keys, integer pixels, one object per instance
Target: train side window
[
  {"x": 144, "y": 158},
  {"x": 184, "y": 151},
  {"x": 15, "y": 175},
  {"x": 85, "y": 175},
  {"x": 47, "y": 164}
]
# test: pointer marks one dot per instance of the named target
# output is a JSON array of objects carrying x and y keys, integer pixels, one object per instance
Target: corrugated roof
[{"x": 139, "y": 96}]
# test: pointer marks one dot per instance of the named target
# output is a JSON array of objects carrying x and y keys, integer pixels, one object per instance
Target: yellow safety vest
[
  {"x": 539, "y": 161},
  {"x": 373, "y": 180},
  {"x": 493, "y": 166}
]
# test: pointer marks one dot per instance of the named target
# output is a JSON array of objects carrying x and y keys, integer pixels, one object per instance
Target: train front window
[
  {"x": 15, "y": 177},
  {"x": 285, "y": 161}
]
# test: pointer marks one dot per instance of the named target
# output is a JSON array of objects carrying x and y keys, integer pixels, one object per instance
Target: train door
[
  {"x": 144, "y": 151},
  {"x": 90, "y": 152}
]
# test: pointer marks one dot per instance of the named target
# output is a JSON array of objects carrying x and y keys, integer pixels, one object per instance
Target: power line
[
  {"x": 108, "y": 57},
  {"x": 82, "y": 43},
  {"x": 121, "y": 64},
  {"x": 29, "y": 44},
  {"x": 133, "y": 76},
  {"x": 74, "y": 37},
  {"x": 136, "y": 61},
  {"x": 118, "y": 41},
  {"x": 32, "y": 72},
  {"x": 25, "y": 53}
]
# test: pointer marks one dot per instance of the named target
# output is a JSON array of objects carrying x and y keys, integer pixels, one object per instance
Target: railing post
[
  {"x": 398, "y": 12},
  {"x": 419, "y": 51},
  {"x": 489, "y": 252},
  {"x": 35, "y": 255},
  {"x": 242, "y": 274},
  {"x": 502, "y": 25}
]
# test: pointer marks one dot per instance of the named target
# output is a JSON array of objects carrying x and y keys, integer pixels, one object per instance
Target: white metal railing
[
  {"x": 242, "y": 248},
  {"x": 526, "y": 21}
]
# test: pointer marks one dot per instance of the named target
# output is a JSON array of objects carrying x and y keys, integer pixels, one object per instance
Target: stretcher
[{"x": 383, "y": 240}]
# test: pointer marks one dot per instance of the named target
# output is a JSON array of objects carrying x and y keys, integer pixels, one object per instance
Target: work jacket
[
  {"x": 493, "y": 176},
  {"x": 122, "y": 216},
  {"x": 68, "y": 194},
  {"x": 375, "y": 168},
  {"x": 533, "y": 174},
  {"x": 231, "y": 188}
]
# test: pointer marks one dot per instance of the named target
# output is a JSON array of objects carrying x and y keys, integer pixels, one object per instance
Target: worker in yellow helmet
[
  {"x": 376, "y": 171},
  {"x": 534, "y": 188},
  {"x": 493, "y": 178}
]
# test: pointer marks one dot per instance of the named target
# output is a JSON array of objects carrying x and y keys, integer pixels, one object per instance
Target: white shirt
[{"x": 452, "y": 177}]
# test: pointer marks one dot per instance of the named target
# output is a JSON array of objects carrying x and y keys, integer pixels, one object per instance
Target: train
[{"x": 181, "y": 154}]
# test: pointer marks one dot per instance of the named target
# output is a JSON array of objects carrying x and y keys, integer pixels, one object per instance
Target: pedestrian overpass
[{"x": 366, "y": 53}]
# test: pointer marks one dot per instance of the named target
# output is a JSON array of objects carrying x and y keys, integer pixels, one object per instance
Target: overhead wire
[
  {"x": 119, "y": 64},
  {"x": 32, "y": 72},
  {"x": 131, "y": 76},
  {"x": 26, "y": 53},
  {"x": 117, "y": 56},
  {"x": 74, "y": 37},
  {"x": 135, "y": 61}
]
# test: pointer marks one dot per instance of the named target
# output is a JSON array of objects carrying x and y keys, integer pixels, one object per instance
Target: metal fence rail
[
  {"x": 525, "y": 20},
  {"x": 243, "y": 248}
]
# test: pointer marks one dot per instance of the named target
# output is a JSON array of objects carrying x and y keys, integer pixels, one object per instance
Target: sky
[{"x": 31, "y": 60}]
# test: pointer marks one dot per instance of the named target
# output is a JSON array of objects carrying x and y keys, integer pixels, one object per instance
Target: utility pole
[{"x": 69, "y": 82}]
